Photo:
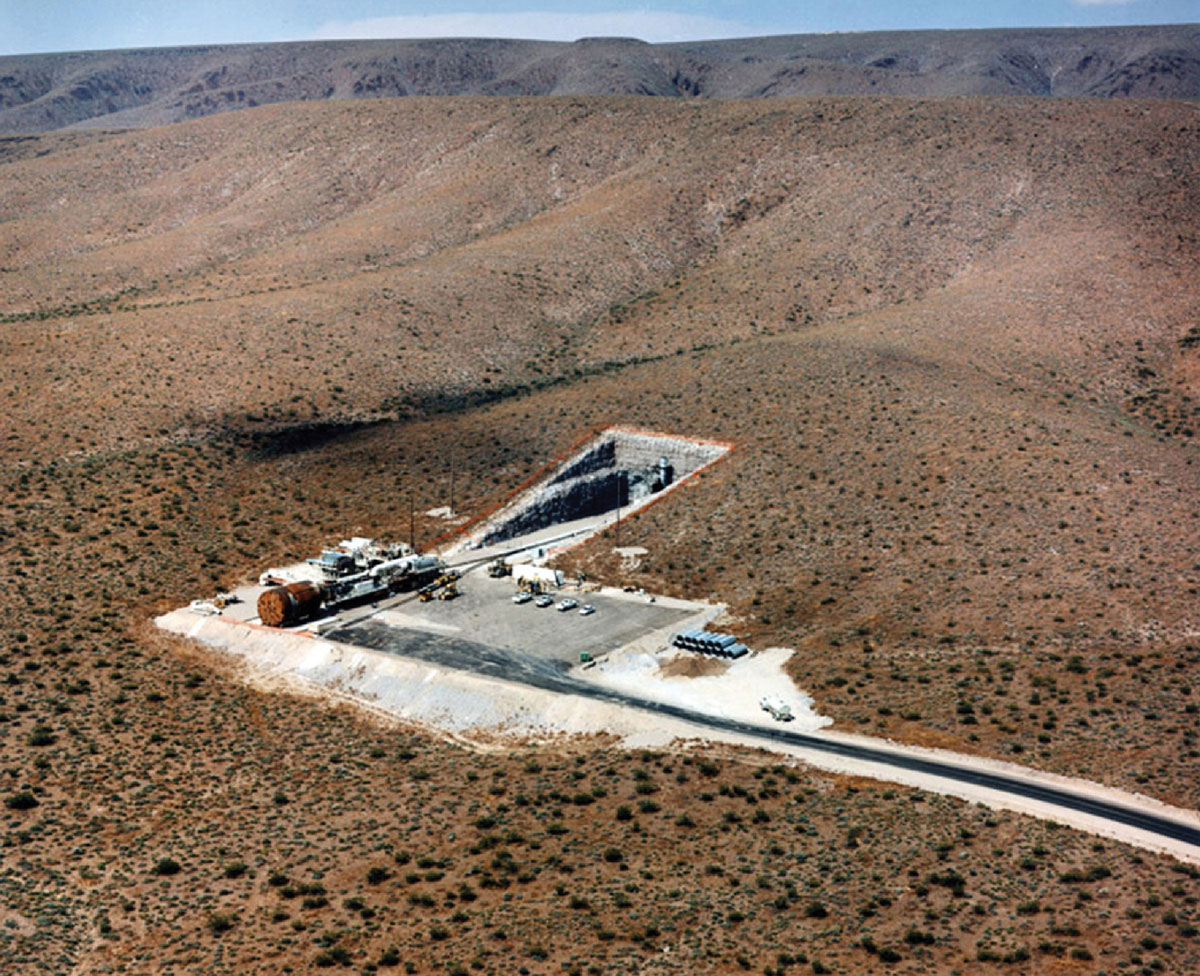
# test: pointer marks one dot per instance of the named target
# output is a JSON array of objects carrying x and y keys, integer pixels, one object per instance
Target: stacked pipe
[{"x": 724, "y": 645}]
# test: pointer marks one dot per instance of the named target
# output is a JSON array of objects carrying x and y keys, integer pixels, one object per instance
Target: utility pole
[
  {"x": 618, "y": 509},
  {"x": 412, "y": 524},
  {"x": 453, "y": 472}
]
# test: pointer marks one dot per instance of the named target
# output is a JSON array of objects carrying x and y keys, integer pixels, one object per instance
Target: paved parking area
[{"x": 484, "y": 614}]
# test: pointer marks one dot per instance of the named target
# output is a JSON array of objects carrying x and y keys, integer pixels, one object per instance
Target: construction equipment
[
  {"x": 354, "y": 572},
  {"x": 282, "y": 606},
  {"x": 498, "y": 568},
  {"x": 445, "y": 587},
  {"x": 216, "y": 605},
  {"x": 530, "y": 585}
]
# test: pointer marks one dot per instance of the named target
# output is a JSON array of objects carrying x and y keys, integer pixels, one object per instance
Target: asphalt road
[
  {"x": 553, "y": 675},
  {"x": 461, "y": 654}
]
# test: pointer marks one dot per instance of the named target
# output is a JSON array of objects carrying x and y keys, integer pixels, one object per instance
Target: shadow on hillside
[{"x": 302, "y": 437}]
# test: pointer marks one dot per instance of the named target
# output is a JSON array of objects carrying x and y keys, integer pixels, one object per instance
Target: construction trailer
[{"x": 543, "y": 574}]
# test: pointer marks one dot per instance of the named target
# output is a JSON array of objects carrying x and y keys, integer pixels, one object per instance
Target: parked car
[
  {"x": 523, "y": 597},
  {"x": 565, "y": 605},
  {"x": 544, "y": 600},
  {"x": 586, "y": 609}
]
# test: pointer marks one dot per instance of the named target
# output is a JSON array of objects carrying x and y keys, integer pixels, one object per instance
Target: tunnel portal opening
[{"x": 617, "y": 469}]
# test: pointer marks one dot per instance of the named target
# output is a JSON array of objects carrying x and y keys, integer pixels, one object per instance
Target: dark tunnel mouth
[{"x": 618, "y": 469}]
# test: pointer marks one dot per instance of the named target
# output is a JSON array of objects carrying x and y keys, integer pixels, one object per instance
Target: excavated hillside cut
[{"x": 616, "y": 469}]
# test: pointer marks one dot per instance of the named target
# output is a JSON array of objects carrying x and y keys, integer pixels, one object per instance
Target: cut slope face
[{"x": 616, "y": 469}]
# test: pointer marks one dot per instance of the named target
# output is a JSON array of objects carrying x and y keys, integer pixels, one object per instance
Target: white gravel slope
[
  {"x": 735, "y": 694},
  {"x": 466, "y": 706}
]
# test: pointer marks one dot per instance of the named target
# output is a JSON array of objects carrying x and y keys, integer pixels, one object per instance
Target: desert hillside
[
  {"x": 956, "y": 345},
  {"x": 363, "y": 261},
  {"x": 119, "y": 89}
]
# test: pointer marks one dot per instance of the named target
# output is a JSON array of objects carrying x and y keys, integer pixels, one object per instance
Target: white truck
[{"x": 777, "y": 708}]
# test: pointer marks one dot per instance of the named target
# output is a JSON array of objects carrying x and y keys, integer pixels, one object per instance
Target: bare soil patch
[{"x": 692, "y": 666}]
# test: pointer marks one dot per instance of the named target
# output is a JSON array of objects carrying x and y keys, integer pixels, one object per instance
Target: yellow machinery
[{"x": 445, "y": 587}]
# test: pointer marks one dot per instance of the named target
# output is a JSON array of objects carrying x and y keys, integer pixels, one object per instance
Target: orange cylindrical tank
[{"x": 282, "y": 606}]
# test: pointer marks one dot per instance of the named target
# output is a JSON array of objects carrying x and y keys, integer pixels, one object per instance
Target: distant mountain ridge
[{"x": 156, "y": 86}]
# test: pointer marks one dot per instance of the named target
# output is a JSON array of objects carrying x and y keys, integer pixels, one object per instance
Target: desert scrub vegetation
[
  {"x": 974, "y": 519},
  {"x": 917, "y": 564},
  {"x": 717, "y": 858}
]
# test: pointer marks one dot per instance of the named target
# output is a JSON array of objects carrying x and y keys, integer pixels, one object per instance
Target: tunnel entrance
[{"x": 617, "y": 469}]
